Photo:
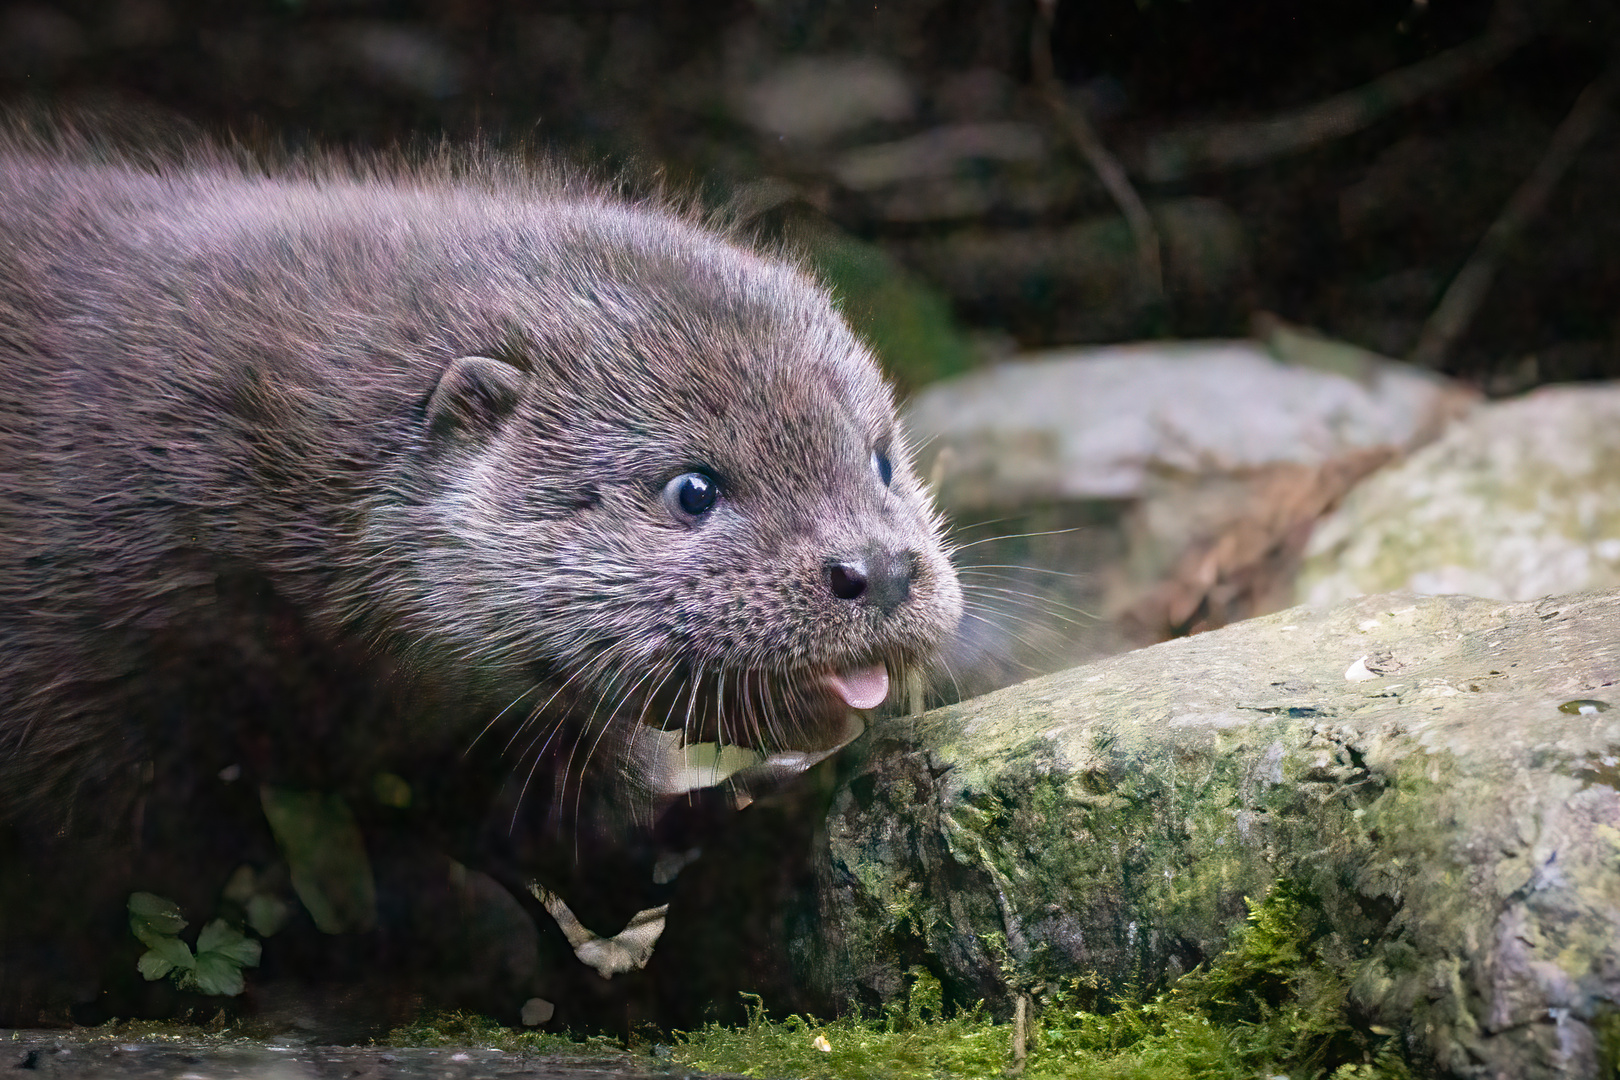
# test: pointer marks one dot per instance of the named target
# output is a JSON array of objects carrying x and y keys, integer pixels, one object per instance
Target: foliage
[
  {"x": 910, "y": 1041},
  {"x": 317, "y": 833},
  {"x": 216, "y": 966},
  {"x": 470, "y": 1029},
  {"x": 1272, "y": 1004},
  {"x": 908, "y": 325}
]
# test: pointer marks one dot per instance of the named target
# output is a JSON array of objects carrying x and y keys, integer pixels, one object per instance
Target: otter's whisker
[
  {"x": 537, "y": 712},
  {"x": 1043, "y": 604},
  {"x": 554, "y": 727},
  {"x": 1006, "y": 623},
  {"x": 975, "y": 567},
  {"x": 950, "y": 674},
  {"x": 497, "y": 718},
  {"x": 602, "y": 726},
  {"x": 1015, "y": 536}
]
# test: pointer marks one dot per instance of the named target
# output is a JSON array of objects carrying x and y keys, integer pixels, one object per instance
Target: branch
[
  {"x": 1467, "y": 290},
  {"x": 1072, "y": 118},
  {"x": 1201, "y": 148}
]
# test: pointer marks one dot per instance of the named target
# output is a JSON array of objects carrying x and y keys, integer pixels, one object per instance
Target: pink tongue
[{"x": 863, "y": 688}]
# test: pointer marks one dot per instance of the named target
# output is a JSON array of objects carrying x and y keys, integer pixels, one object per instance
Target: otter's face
[{"x": 683, "y": 510}]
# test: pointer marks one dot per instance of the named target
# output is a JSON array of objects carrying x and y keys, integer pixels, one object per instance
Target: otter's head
[{"x": 675, "y": 506}]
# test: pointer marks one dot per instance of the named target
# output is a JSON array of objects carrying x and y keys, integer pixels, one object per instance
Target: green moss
[
  {"x": 1607, "y": 1030},
  {"x": 903, "y": 1042},
  {"x": 1274, "y": 1003},
  {"x": 470, "y": 1029}
]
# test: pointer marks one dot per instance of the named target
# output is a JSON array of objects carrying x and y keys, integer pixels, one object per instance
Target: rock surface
[
  {"x": 1101, "y": 423},
  {"x": 1119, "y": 496},
  {"x": 1521, "y": 499},
  {"x": 85, "y": 1055},
  {"x": 1441, "y": 773}
]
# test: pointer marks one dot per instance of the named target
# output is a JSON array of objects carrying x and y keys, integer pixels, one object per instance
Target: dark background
[{"x": 1357, "y": 236}]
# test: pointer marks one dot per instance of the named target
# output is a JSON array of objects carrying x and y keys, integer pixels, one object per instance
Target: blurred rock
[
  {"x": 1216, "y": 549},
  {"x": 952, "y": 173},
  {"x": 1080, "y": 282},
  {"x": 1520, "y": 500},
  {"x": 1100, "y": 423},
  {"x": 938, "y": 152},
  {"x": 979, "y": 93},
  {"x": 1119, "y": 496},
  {"x": 402, "y": 58},
  {"x": 813, "y": 99}
]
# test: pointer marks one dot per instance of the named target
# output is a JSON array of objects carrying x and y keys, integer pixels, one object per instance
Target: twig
[
  {"x": 1467, "y": 290},
  {"x": 1072, "y": 118},
  {"x": 1176, "y": 154},
  {"x": 1020, "y": 1035}
]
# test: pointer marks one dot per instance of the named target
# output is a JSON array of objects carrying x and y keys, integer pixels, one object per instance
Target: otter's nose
[{"x": 877, "y": 577}]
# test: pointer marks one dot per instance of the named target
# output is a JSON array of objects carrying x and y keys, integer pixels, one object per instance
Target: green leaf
[
  {"x": 152, "y": 966},
  {"x": 153, "y": 918},
  {"x": 218, "y": 974},
  {"x": 165, "y": 955},
  {"x": 267, "y": 914},
  {"x": 326, "y": 855},
  {"x": 242, "y": 885},
  {"x": 220, "y": 939}
]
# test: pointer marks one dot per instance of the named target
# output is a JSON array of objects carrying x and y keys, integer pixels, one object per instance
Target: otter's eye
[
  {"x": 691, "y": 495},
  {"x": 885, "y": 471}
]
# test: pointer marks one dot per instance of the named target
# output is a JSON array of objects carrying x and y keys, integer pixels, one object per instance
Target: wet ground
[{"x": 90, "y": 1054}]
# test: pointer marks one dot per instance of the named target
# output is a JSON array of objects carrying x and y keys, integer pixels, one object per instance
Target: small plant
[
  {"x": 460, "y": 1028},
  {"x": 214, "y": 968},
  {"x": 909, "y": 1041},
  {"x": 1274, "y": 1003}
]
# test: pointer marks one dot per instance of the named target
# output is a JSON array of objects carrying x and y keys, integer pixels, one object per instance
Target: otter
[{"x": 520, "y": 494}]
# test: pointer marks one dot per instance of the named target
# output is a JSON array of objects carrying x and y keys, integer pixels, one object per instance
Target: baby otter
[{"x": 508, "y": 488}]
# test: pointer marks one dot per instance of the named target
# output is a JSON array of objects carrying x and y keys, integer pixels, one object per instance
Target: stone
[
  {"x": 1123, "y": 495},
  {"x": 1100, "y": 423},
  {"x": 96, "y": 1054},
  {"x": 1442, "y": 774},
  {"x": 1521, "y": 499},
  {"x": 814, "y": 99}
]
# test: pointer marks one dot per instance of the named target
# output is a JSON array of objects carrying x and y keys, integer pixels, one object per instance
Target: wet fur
[{"x": 241, "y": 534}]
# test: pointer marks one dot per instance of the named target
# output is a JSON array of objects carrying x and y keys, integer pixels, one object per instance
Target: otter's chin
[
  {"x": 672, "y": 767},
  {"x": 818, "y": 712}
]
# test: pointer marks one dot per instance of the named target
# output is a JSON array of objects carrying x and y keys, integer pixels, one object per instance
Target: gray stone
[
  {"x": 1100, "y": 423},
  {"x": 813, "y": 99},
  {"x": 938, "y": 152},
  {"x": 1441, "y": 773},
  {"x": 402, "y": 58},
  {"x": 1520, "y": 500},
  {"x": 1116, "y": 496},
  {"x": 86, "y": 1054}
]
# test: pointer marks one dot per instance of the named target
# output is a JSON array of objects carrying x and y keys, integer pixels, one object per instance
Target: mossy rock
[{"x": 1434, "y": 778}]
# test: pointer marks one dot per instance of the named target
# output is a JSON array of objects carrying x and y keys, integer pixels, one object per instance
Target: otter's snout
[{"x": 877, "y": 577}]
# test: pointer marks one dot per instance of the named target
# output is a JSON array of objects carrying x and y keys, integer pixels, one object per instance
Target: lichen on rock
[{"x": 1458, "y": 832}]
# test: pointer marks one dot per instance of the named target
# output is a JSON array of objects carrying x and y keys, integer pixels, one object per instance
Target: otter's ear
[{"x": 474, "y": 395}]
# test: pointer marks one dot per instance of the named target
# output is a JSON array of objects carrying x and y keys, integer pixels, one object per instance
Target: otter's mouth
[
  {"x": 818, "y": 713},
  {"x": 860, "y": 688}
]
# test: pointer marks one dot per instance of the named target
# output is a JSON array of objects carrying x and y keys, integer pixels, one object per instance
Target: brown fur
[{"x": 240, "y": 530}]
